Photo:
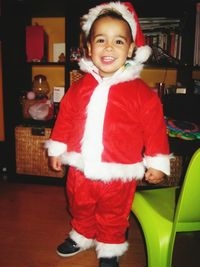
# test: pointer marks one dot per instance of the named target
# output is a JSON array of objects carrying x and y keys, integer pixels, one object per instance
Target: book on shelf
[
  {"x": 166, "y": 20},
  {"x": 170, "y": 42},
  {"x": 196, "y": 60},
  {"x": 159, "y": 23},
  {"x": 179, "y": 47}
]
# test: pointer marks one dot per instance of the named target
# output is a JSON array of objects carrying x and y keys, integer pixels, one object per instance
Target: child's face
[{"x": 110, "y": 45}]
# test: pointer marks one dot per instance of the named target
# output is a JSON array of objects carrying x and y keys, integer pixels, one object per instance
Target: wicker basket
[
  {"x": 176, "y": 167},
  {"x": 175, "y": 173},
  {"x": 31, "y": 156},
  {"x": 75, "y": 75}
]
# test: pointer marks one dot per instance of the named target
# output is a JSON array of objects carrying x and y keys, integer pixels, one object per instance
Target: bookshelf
[{"x": 163, "y": 32}]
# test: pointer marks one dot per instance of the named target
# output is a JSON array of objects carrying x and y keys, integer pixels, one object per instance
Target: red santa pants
[{"x": 99, "y": 210}]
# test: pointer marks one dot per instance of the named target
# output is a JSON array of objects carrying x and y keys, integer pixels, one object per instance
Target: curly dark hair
[{"x": 109, "y": 13}]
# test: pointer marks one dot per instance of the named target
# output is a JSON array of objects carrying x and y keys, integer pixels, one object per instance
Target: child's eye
[
  {"x": 100, "y": 40},
  {"x": 119, "y": 41}
]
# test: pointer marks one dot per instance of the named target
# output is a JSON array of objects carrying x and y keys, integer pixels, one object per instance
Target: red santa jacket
[{"x": 111, "y": 128}]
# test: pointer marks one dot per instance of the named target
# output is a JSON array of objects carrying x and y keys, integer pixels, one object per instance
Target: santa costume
[{"x": 108, "y": 130}]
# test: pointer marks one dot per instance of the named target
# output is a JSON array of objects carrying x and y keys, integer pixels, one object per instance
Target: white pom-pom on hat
[
  {"x": 128, "y": 13},
  {"x": 142, "y": 53}
]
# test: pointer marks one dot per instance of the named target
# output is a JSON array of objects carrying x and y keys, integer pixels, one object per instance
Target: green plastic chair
[{"x": 163, "y": 212}]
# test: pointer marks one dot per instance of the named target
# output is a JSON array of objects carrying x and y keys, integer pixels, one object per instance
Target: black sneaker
[
  {"x": 68, "y": 248},
  {"x": 109, "y": 262}
]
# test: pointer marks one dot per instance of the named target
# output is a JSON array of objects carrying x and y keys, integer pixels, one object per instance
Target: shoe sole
[{"x": 69, "y": 254}]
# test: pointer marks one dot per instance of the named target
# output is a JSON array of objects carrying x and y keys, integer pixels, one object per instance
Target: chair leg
[
  {"x": 157, "y": 254},
  {"x": 171, "y": 249},
  {"x": 158, "y": 245}
]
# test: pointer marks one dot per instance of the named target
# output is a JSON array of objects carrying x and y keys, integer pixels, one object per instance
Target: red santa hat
[{"x": 128, "y": 13}]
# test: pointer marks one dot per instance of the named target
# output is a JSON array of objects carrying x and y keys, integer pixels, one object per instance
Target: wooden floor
[{"x": 34, "y": 220}]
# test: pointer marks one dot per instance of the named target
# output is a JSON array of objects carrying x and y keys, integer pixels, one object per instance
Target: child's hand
[
  {"x": 154, "y": 176},
  {"x": 55, "y": 163}
]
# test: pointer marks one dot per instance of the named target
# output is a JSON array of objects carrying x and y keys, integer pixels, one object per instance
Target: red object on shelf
[{"x": 36, "y": 43}]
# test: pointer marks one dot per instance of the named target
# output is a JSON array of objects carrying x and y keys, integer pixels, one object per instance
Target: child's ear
[
  {"x": 89, "y": 48},
  {"x": 131, "y": 50}
]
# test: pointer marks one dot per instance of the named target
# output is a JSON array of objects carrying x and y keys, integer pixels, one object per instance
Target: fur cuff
[
  {"x": 159, "y": 162},
  {"x": 82, "y": 241},
  {"x": 55, "y": 148},
  {"x": 110, "y": 250}
]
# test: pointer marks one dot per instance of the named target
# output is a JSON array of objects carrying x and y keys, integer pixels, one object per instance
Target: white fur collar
[{"x": 130, "y": 71}]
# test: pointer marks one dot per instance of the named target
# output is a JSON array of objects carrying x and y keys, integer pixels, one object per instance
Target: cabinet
[{"x": 61, "y": 22}]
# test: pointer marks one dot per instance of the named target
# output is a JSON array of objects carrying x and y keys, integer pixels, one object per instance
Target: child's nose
[{"x": 109, "y": 46}]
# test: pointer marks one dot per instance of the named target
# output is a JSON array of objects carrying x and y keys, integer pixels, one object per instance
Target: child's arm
[
  {"x": 55, "y": 163},
  {"x": 156, "y": 152},
  {"x": 58, "y": 141},
  {"x": 154, "y": 176}
]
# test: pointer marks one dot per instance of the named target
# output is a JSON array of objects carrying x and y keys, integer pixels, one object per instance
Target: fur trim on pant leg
[
  {"x": 110, "y": 250},
  {"x": 82, "y": 241}
]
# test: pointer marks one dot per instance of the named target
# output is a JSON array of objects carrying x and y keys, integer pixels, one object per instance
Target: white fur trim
[
  {"x": 104, "y": 171},
  {"x": 142, "y": 54},
  {"x": 55, "y": 148},
  {"x": 159, "y": 162},
  {"x": 131, "y": 71},
  {"x": 110, "y": 250},
  {"x": 82, "y": 241},
  {"x": 88, "y": 66},
  {"x": 92, "y": 146},
  {"x": 73, "y": 159},
  {"x": 108, "y": 171},
  {"x": 119, "y": 7}
]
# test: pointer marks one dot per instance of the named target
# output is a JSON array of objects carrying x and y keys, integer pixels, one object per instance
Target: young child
[{"x": 111, "y": 131}]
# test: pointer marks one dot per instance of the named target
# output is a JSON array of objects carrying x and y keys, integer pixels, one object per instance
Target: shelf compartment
[
  {"x": 55, "y": 75},
  {"x": 55, "y": 29}
]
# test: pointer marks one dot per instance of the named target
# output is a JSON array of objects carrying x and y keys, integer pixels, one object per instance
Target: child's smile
[{"x": 107, "y": 60}]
